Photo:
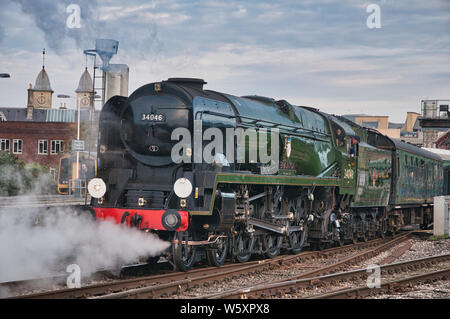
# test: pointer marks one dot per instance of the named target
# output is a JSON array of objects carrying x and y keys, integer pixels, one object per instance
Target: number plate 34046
[{"x": 153, "y": 117}]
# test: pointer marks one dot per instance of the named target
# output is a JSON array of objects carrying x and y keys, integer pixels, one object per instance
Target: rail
[
  {"x": 167, "y": 284},
  {"x": 31, "y": 201}
]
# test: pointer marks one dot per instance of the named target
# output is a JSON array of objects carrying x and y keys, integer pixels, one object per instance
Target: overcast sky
[{"x": 314, "y": 52}]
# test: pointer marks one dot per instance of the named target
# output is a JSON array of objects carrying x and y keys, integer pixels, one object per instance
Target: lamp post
[{"x": 77, "y": 179}]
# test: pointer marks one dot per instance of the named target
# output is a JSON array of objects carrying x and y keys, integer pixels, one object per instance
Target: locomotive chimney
[{"x": 196, "y": 84}]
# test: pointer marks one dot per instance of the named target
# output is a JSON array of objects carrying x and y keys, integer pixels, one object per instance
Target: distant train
[
  {"x": 67, "y": 170},
  {"x": 336, "y": 182}
]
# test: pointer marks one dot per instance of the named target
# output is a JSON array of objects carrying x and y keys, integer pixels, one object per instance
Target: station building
[
  {"x": 40, "y": 132},
  {"x": 412, "y": 131}
]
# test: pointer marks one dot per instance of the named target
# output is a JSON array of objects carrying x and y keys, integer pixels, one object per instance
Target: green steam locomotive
[{"x": 222, "y": 176}]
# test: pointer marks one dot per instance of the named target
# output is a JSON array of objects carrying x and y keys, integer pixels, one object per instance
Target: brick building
[
  {"x": 40, "y": 133},
  {"x": 37, "y": 142}
]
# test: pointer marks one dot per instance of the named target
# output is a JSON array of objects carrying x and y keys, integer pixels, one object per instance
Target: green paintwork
[
  {"x": 374, "y": 176},
  {"x": 414, "y": 179},
  {"x": 311, "y": 148},
  {"x": 237, "y": 178},
  {"x": 308, "y": 155}
]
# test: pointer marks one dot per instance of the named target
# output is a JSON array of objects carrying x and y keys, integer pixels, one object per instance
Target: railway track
[
  {"x": 275, "y": 287},
  {"x": 41, "y": 201},
  {"x": 176, "y": 282},
  {"x": 59, "y": 280},
  {"x": 301, "y": 286},
  {"x": 391, "y": 285}
]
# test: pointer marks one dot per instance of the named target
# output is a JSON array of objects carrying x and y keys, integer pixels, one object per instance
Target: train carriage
[{"x": 67, "y": 170}]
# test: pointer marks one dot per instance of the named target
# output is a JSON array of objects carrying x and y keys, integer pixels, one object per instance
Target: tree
[{"x": 18, "y": 178}]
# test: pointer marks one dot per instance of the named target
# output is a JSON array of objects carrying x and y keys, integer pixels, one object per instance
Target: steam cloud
[
  {"x": 51, "y": 16},
  {"x": 61, "y": 238},
  {"x": 41, "y": 242}
]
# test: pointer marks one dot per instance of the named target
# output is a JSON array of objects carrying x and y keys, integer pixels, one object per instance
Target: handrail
[{"x": 255, "y": 120}]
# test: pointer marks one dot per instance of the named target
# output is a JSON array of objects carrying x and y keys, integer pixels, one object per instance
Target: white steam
[{"x": 30, "y": 250}]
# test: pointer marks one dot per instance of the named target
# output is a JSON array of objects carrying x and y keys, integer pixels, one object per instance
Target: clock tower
[
  {"x": 42, "y": 92},
  {"x": 40, "y": 96},
  {"x": 84, "y": 91}
]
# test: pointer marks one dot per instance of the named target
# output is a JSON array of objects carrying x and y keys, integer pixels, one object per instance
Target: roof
[
  {"x": 444, "y": 154},
  {"x": 395, "y": 125},
  {"x": 60, "y": 115},
  {"x": 14, "y": 114},
  {"x": 414, "y": 149},
  {"x": 42, "y": 82},
  {"x": 85, "y": 84}
]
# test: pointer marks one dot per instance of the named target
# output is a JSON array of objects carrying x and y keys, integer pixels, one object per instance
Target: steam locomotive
[{"x": 328, "y": 181}]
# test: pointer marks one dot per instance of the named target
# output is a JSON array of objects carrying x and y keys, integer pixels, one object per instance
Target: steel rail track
[
  {"x": 177, "y": 281},
  {"x": 389, "y": 286},
  {"x": 310, "y": 277},
  {"x": 165, "y": 284},
  {"x": 48, "y": 282},
  {"x": 294, "y": 285},
  {"x": 23, "y": 201}
]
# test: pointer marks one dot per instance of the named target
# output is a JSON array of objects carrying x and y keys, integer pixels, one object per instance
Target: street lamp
[
  {"x": 78, "y": 182},
  {"x": 5, "y": 75}
]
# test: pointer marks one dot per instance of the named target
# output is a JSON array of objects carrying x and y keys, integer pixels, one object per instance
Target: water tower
[
  {"x": 106, "y": 48},
  {"x": 114, "y": 76}
]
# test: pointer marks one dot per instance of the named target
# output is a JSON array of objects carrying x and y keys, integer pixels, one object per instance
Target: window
[
  {"x": 370, "y": 124},
  {"x": 4, "y": 145},
  {"x": 57, "y": 147},
  {"x": 17, "y": 146},
  {"x": 2, "y": 117},
  {"x": 43, "y": 147}
]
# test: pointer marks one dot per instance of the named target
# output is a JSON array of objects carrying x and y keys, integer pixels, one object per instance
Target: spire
[
  {"x": 85, "y": 83},
  {"x": 43, "y": 58},
  {"x": 42, "y": 81}
]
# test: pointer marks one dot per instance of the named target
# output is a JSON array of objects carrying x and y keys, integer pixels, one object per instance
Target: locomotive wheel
[
  {"x": 183, "y": 254},
  {"x": 216, "y": 257},
  {"x": 242, "y": 248},
  {"x": 297, "y": 241},
  {"x": 272, "y": 244}
]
